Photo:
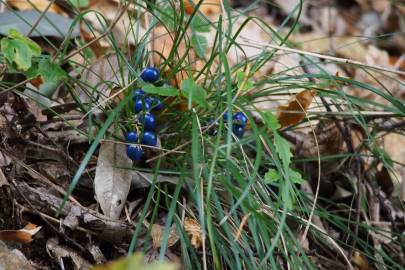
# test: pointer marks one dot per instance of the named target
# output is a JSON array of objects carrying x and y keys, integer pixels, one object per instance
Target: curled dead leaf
[
  {"x": 193, "y": 230},
  {"x": 157, "y": 233},
  {"x": 294, "y": 111},
  {"x": 23, "y": 236}
]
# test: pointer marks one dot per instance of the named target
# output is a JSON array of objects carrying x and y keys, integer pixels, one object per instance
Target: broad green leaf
[
  {"x": 272, "y": 176},
  {"x": 34, "y": 47},
  {"x": 199, "y": 44},
  {"x": 197, "y": 94},
  {"x": 243, "y": 81},
  {"x": 80, "y": 3},
  {"x": 19, "y": 50},
  {"x": 166, "y": 91},
  {"x": 51, "y": 72}
]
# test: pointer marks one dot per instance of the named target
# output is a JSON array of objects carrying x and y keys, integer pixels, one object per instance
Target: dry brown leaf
[
  {"x": 294, "y": 111},
  {"x": 193, "y": 230},
  {"x": 41, "y": 5},
  {"x": 157, "y": 236},
  {"x": 23, "y": 236}
]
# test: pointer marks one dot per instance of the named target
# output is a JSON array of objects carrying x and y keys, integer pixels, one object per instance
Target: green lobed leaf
[
  {"x": 166, "y": 91},
  {"x": 51, "y": 72},
  {"x": 19, "y": 50},
  {"x": 271, "y": 121},
  {"x": 283, "y": 149},
  {"x": 197, "y": 94},
  {"x": 273, "y": 176}
]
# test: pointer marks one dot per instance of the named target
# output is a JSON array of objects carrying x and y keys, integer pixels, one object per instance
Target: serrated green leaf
[
  {"x": 243, "y": 81},
  {"x": 190, "y": 89},
  {"x": 166, "y": 91},
  {"x": 199, "y": 44},
  {"x": 198, "y": 24},
  {"x": 273, "y": 176},
  {"x": 51, "y": 72},
  {"x": 283, "y": 149},
  {"x": 271, "y": 121}
]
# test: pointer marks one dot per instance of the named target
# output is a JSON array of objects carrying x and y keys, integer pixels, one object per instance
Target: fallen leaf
[
  {"x": 40, "y": 5},
  {"x": 157, "y": 232},
  {"x": 294, "y": 111},
  {"x": 23, "y": 236},
  {"x": 54, "y": 25},
  {"x": 193, "y": 229},
  {"x": 111, "y": 184}
]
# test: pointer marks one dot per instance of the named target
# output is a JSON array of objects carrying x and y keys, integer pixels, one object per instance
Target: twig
[{"x": 260, "y": 45}]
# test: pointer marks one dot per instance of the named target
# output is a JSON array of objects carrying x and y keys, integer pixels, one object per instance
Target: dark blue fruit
[
  {"x": 138, "y": 93},
  {"x": 150, "y": 74},
  {"x": 134, "y": 152},
  {"x": 132, "y": 137},
  {"x": 149, "y": 138},
  {"x": 157, "y": 105},
  {"x": 148, "y": 121},
  {"x": 238, "y": 131},
  {"x": 240, "y": 119},
  {"x": 225, "y": 117},
  {"x": 142, "y": 104}
]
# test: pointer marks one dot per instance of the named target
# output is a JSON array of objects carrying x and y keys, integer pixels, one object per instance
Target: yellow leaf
[{"x": 294, "y": 111}]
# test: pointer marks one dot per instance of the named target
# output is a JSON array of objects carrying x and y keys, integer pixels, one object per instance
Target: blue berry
[
  {"x": 238, "y": 131},
  {"x": 132, "y": 137},
  {"x": 142, "y": 104},
  {"x": 138, "y": 93},
  {"x": 150, "y": 74},
  {"x": 149, "y": 138},
  {"x": 134, "y": 152},
  {"x": 157, "y": 105},
  {"x": 148, "y": 121},
  {"x": 240, "y": 119},
  {"x": 225, "y": 117}
]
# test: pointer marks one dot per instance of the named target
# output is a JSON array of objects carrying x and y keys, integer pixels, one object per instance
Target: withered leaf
[{"x": 294, "y": 111}]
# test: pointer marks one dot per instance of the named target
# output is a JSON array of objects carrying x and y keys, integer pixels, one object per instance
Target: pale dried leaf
[
  {"x": 193, "y": 229},
  {"x": 41, "y": 5},
  {"x": 13, "y": 259},
  {"x": 157, "y": 233},
  {"x": 112, "y": 184}
]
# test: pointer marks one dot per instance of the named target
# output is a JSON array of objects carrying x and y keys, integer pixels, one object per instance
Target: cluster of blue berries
[
  {"x": 239, "y": 121},
  {"x": 143, "y": 105}
]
